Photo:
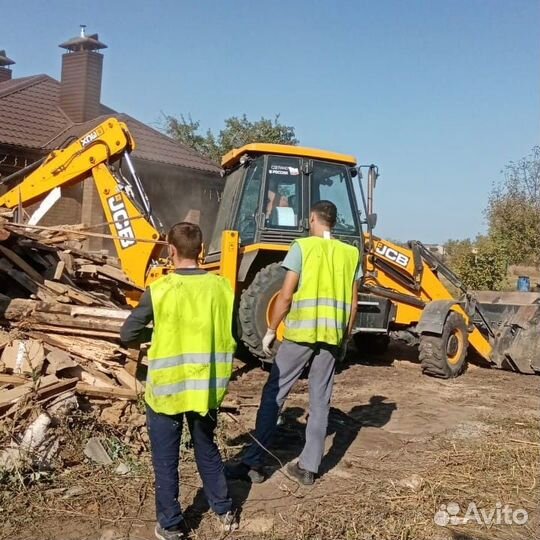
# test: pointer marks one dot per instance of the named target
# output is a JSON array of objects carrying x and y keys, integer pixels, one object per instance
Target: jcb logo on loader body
[
  {"x": 121, "y": 221},
  {"x": 90, "y": 137},
  {"x": 392, "y": 254}
]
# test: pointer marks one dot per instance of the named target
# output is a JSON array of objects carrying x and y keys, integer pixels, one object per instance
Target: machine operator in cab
[
  {"x": 318, "y": 300},
  {"x": 189, "y": 366}
]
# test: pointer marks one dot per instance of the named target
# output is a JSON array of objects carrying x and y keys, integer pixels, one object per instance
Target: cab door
[
  {"x": 283, "y": 200},
  {"x": 332, "y": 182}
]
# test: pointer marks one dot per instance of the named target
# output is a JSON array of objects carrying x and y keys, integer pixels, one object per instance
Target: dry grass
[
  {"x": 368, "y": 503},
  {"x": 502, "y": 467}
]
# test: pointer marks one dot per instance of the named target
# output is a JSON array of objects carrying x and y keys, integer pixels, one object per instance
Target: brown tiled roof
[{"x": 31, "y": 117}]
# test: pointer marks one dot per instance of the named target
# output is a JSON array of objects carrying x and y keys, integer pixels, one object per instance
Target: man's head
[
  {"x": 185, "y": 241},
  {"x": 323, "y": 215}
]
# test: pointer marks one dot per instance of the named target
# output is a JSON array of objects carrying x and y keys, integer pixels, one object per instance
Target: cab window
[
  {"x": 246, "y": 222},
  {"x": 329, "y": 182},
  {"x": 283, "y": 193}
]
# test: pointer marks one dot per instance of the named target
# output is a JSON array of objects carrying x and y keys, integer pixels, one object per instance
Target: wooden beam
[
  {"x": 15, "y": 380},
  {"x": 113, "y": 392}
]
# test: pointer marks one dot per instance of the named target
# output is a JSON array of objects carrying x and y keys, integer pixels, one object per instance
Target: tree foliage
[
  {"x": 513, "y": 215},
  {"x": 480, "y": 264},
  {"x": 237, "y": 132},
  {"x": 513, "y": 211}
]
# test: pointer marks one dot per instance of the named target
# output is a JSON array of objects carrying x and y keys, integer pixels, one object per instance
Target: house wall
[
  {"x": 175, "y": 193},
  {"x": 181, "y": 194}
]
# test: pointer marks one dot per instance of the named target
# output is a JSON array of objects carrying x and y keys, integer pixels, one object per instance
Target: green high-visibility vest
[
  {"x": 190, "y": 359},
  {"x": 321, "y": 306}
]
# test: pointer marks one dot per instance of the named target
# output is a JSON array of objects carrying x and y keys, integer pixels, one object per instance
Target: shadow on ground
[{"x": 290, "y": 438}]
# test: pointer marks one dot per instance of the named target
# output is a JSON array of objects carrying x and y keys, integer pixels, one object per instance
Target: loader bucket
[{"x": 515, "y": 320}]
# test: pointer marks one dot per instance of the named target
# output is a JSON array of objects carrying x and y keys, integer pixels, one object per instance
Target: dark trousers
[{"x": 165, "y": 434}]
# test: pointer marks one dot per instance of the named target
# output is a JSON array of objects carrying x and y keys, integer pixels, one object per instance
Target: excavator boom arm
[
  {"x": 104, "y": 144},
  {"x": 133, "y": 229},
  {"x": 410, "y": 277}
]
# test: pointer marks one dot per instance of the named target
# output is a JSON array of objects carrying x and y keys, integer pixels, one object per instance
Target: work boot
[
  {"x": 176, "y": 533},
  {"x": 228, "y": 521},
  {"x": 307, "y": 478},
  {"x": 241, "y": 471}
]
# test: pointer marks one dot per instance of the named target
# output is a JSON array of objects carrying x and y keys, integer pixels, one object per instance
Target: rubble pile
[{"x": 60, "y": 312}]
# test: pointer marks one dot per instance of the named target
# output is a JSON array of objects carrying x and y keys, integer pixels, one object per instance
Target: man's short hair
[
  {"x": 326, "y": 211},
  {"x": 186, "y": 238}
]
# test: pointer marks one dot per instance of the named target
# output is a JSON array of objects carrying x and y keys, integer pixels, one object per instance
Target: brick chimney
[
  {"x": 5, "y": 72},
  {"x": 82, "y": 66}
]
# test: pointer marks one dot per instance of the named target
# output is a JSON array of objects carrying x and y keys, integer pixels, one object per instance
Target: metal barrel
[{"x": 524, "y": 283}]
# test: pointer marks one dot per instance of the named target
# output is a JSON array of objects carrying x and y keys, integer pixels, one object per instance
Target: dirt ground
[{"x": 403, "y": 451}]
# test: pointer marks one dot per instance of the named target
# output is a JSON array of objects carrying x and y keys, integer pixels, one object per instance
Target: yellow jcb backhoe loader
[{"x": 265, "y": 206}]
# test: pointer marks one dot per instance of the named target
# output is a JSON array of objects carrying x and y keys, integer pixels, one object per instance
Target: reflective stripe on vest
[
  {"x": 315, "y": 323},
  {"x": 190, "y": 359},
  {"x": 300, "y": 304},
  {"x": 321, "y": 306},
  {"x": 204, "y": 384}
]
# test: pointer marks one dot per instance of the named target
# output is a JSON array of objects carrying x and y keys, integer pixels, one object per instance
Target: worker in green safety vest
[
  {"x": 189, "y": 366},
  {"x": 318, "y": 301}
]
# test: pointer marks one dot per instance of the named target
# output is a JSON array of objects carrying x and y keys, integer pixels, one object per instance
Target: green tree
[
  {"x": 237, "y": 132},
  {"x": 513, "y": 211},
  {"x": 480, "y": 265},
  {"x": 185, "y": 130}
]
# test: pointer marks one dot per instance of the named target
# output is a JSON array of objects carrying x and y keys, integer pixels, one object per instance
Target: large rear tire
[
  {"x": 254, "y": 307},
  {"x": 445, "y": 355}
]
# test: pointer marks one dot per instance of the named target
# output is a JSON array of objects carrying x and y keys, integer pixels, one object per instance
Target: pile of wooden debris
[{"x": 60, "y": 312}]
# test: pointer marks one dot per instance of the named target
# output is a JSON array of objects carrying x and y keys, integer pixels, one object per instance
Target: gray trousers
[{"x": 288, "y": 366}]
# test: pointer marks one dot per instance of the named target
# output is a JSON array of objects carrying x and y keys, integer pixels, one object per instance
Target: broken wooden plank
[
  {"x": 9, "y": 397},
  {"x": 56, "y": 314},
  {"x": 84, "y": 348},
  {"x": 127, "y": 380},
  {"x": 116, "y": 274},
  {"x": 59, "y": 270},
  {"x": 53, "y": 389},
  {"x": 66, "y": 257},
  {"x": 15, "y": 380},
  {"x": 59, "y": 360},
  {"x": 71, "y": 292},
  {"x": 75, "y": 332},
  {"x": 113, "y": 392},
  {"x": 90, "y": 376}
]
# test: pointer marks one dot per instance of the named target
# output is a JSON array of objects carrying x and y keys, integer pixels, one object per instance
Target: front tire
[
  {"x": 254, "y": 307},
  {"x": 445, "y": 355}
]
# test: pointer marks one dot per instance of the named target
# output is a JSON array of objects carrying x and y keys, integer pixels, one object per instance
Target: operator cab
[{"x": 270, "y": 188}]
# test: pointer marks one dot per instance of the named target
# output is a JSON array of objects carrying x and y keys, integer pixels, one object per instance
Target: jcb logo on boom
[
  {"x": 121, "y": 220},
  {"x": 392, "y": 254},
  {"x": 90, "y": 137}
]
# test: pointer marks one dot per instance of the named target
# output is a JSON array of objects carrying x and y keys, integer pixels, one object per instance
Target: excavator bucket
[{"x": 515, "y": 320}]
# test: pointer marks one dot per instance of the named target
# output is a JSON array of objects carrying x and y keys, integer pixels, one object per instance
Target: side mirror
[{"x": 371, "y": 220}]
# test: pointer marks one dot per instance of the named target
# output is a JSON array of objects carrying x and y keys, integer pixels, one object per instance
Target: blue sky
[{"x": 441, "y": 94}]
